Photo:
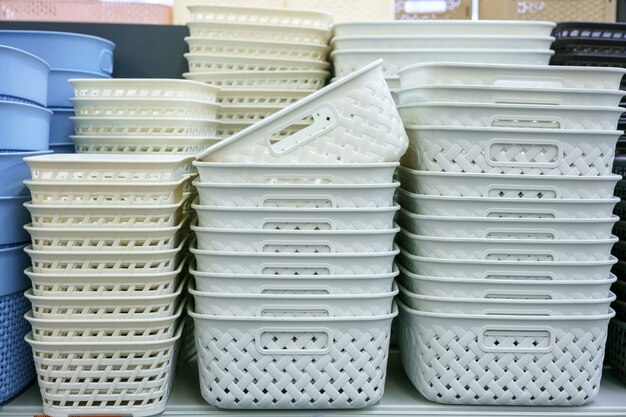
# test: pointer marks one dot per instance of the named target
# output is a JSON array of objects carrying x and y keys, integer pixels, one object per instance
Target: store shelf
[{"x": 400, "y": 399}]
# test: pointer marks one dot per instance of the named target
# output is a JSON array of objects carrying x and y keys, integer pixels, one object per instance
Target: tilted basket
[
  {"x": 303, "y": 81},
  {"x": 144, "y": 107},
  {"x": 146, "y": 88},
  {"x": 179, "y": 145}
]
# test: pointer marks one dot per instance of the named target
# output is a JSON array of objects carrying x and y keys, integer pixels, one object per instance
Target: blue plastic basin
[
  {"x": 13, "y": 262},
  {"x": 60, "y": 91},
  {"x": 24, "y": 126},
  {"x": 63, "y": 148},
  {"x": 23, "y": 76},
  {"x": 61, "y": 127},
  {"x": 13, "y": 216},
  {"x": 13, "y": 172}
]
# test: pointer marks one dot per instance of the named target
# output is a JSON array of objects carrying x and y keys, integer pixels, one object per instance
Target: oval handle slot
[{"x": 530, "y": 340}]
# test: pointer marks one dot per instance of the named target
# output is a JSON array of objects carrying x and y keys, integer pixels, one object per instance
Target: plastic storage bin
[
  {"x": 441, "y": 41},
  {"x": 24, "y": 126},
  {"x": 60, "y": 90},
  {"x": 425, "y": 27},
  {"x": 262, "y": 80},
  {"x": 258, "y": 49},
  {"x": 144, "y": 126},
  {"x": 143, "y": 144},
  {"x": 146, "y": 89},
  {"x": 24, "y": 76},
  {"x": 13, "y": 171},
  {"x": 144, "y": 107},
  {"x": 210, "y": 62}
]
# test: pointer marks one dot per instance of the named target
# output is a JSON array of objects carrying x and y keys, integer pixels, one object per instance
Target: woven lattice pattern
[{"x": 235, "y": 374}]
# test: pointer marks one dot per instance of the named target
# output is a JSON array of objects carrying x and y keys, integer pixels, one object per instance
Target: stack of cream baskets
[
  {"x": 507, "y": 199},
  {"x": 108, "y": 273},
  {"x": 263, "y": 59},
  {"x": 295, "y": 247}
]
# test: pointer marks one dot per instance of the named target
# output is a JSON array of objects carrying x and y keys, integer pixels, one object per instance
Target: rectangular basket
[
  {"x": 145, "y": 126},
  {"x": 144, "y": 107},
  {"x": 302, "y": 81},
  {"x": 87, "y": 144},
  {"x": 437, "y": 27},
  {"x": 268, "y": 33},
  {"x": 258, "y": 49}
]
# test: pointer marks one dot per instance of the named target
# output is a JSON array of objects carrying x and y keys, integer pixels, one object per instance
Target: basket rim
[
  {"x": 516, "y": 68},
  {"x": 514, "y": 89},
  {"x": 201, "y": 207},
  {"x": 472, "y": 219},
  {"x": 195, "y": 273},
  {"x": 273, "y": 233},
  {"x": 547, "y": 178},
  {"x": 164, "y": 83},
  {"x": 253, "y": 42}
]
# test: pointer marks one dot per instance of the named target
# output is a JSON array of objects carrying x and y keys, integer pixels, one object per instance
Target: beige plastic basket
[
  {"x": 148, "y": 107},
  {"x": 149, "y": 88},
  {"x": 258, "y": 49},
  {"x": 299, "y": 80},
  {"x": 283, "y": 98},
  {"x": 179, "y": 145},
  {"x": 272, "y": 33},
  {"x": 212, "y": 62},
  {"x": 144, "y": 126}
]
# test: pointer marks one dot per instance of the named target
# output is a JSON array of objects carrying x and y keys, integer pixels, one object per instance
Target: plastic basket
[
  {"x": 507, "y": 186},
  {"x": 211, "y": 172},
  {"x": 590, "y": 31},
  {"x": 148, "y": 107},
  {"x": 60, "y": 90},
  {"x": 296, "y": 195},
  {"x": 354, "y": 120},
  {"x": 347, "y": 355},
  {"x": 178, "y": 145},
  {"x": 588, "y": 60},
  {"x": 145, "y": 126},
  {"x": 293, "y": 305},
  {"x": 24, "y": 76},
  {"x": 511, "y": 76},
  {"x": 348, "y": 60},
  {"x": 13, "y": 172},
  {"x": 541, "y": 360},
  {"x": 294, "y": 218},
  {"x": 212, "y": 62},
  {"x": 437, "y": 27},
  {"x": 616, "y": 349},
  {"x": 294, "y": 263},
  {"x": 258, "y": 49},
  {"x": 506, "y": 269},
  {"x": 515, "y": 150},
  {"x": 227, "y": 129},
  {"x": 139, "y": 373},
  {"x": 24, "y": 126},
  {"x": 441, "y": 41},
  {"x": 253, "y": 97},
  {"x": 262, "y": 16},
  {"x": 505, "y": 208},
  {"x": 262, "y": 80},
  {"x": 147, "y": 88},
  {"x": 549, "y": 229},
  {"x": 267, "y": 33},
  {"x": 505, "y": 289},
  {"x": 246, "y": 114},
  {"x": 102, "y": 194},
  {"x": 605, "y": 47},
  {"x": 295, "y": 241}
]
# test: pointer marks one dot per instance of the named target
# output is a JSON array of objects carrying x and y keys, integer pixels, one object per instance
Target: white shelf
[{"x": 400, "y": 399}]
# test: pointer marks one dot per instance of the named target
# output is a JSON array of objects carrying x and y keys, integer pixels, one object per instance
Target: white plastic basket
[
  {"x": 511, "y": 115},
  {"x": 354, "y": 120},
  {"x": 144, "y": 126},
  {"x": 252, "y": 97},
  {"x": 293, "y": 305},
  {"x": 346, "y": 61},
  {"x": 144, "y": 107},
  {"x": 211, "y": 62},
  {"x": 513, "y": 270},
  {"x": 178, "y": 145},
  {"x": 145, "y": 88},
  {"x": 294, "y": 284},
  {"x": 550, "y": 229},
  {"x": 294, "y": 263},
  {"x": 105, "y": 308},
  {"x": 505, "y": 208},
  {"x": 530, "y": 360},
  {"x": 95, "y": 168},
  {"x": 72, "y": 217},
  {"x": 296, "y": 195},
  {"x": 504, "y": 289},
  {"x": 103, "y": 330},
  {"x": 102, "y": 194},
  {"x": 268, "y": 33},
  {"x": 347, "y": 355},
  {"x": 140, "y": 374},
  {"x": 512, "y": 76},
  {"x": 98, "y": 263},
  {"x": 294, "y": 218},
  {"x": 441, "y": 41},
  {"x": 295, "y": 241},
  {"x": 262, "y": 80},
  {"x": 246, "y": 114},
  {"x": 507, "y": 186},
  {"x": 227, "y": 129},
  {"x": 296, "y": 18},
  {"x": 451, "y": 93},
  {"x": 449, "y": 27},
  {"x": 258, "y": 49},
  {"x": 213, "y": 172}
]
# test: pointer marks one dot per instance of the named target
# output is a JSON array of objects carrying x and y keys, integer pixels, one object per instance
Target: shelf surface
[{"x": 400, "y": 399}]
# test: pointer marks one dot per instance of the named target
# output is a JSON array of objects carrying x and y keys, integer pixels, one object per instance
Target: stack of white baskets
[
  {"x": 294, "y": 259},
  {"x": 408, "y": 42},
  {"x": 506, "y": 231},
  {"x": 108, "y": 274},
  {"x": 263, "y": 59}
]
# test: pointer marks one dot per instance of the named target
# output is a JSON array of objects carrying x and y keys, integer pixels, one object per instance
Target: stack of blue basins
[
  {"x": 24, "y": 130},
  {"x": 70, "y": 55}
]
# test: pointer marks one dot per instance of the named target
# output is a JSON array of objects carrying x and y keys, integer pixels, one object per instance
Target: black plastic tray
[
  {"x": 585, "y": 60},
  {"x": 593, "y": 47},
  {"x": 590, "y": 30}
]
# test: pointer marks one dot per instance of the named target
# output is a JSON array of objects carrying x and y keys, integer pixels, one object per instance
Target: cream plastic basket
[
  {"x": 97, "y": 168},
  {"x": 246, "y": 114},
  {"x": 268, "y": 33},
  {"x": 512, "y": 76},
  {"x": 502, "y": 269},
  {"x": 292, "y": 305},
  {"x": 296, "y": 195},
  {"x": 550, "y": 361},
  {"x": 227, "y": 129},
  {"x": 506, "y": 208},
  {"x": 449, "y": 27},
  {"x": 294, "y": 263},
  {"x": 140, "y": 374},
  {"x": 147, "y": 88},
  {"x": 263, "y": 80},
  {"x": 507, "y": 186},
  {"x": 258, "y": 49},
  {"x": 178, "y": 145},
  {"x": 354, "y": 120},
  {"x": 348, "y": 60},
  {"x": 213, "y": 172},
  {"x": 294, "y": 218},
  {"x": 348, "y": 355},
  {"x": 253, "y": 97},
  {"x": 144, "y": 107},
  {"x": 496, "y": 150},
  {"x": 505, "y": 289},
  {"x": 65, "y": 193},
  {"x": 442, "y": 41},
  {"x": 295, "y": 241},
  {"x": 144, "y": 126},
  {"x": 211, "y": 62},
  {"x": 550, "y": 229}
]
